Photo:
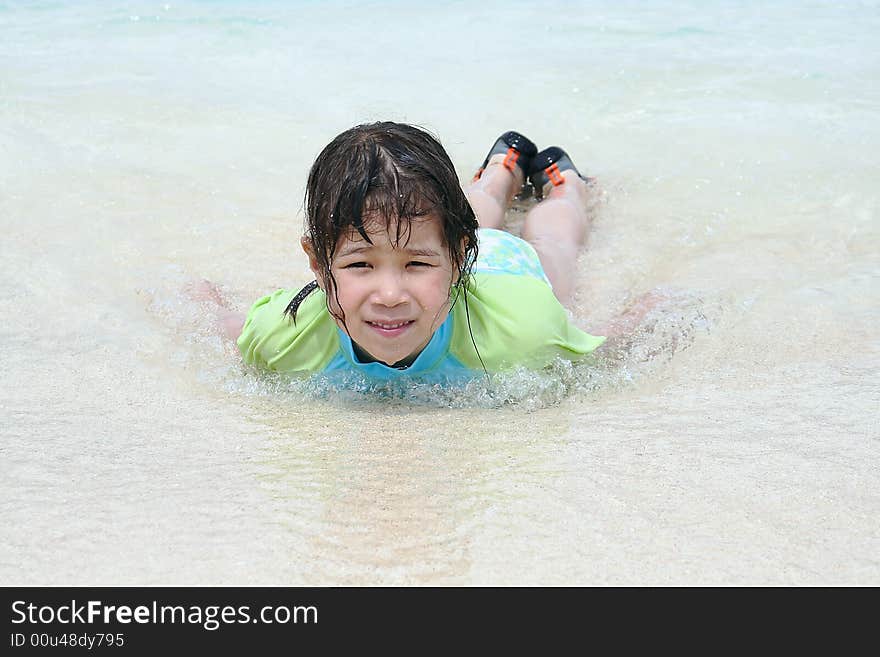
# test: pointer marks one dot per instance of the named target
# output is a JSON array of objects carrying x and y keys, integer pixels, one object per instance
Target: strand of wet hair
[
  {"x": 467, "y": 315},
  {"x": 297, "y": 300}
]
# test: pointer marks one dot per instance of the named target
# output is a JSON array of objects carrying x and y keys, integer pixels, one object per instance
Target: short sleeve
[
  {"x": 271, "y": 339},
  {"x": 516, "y": 320}
]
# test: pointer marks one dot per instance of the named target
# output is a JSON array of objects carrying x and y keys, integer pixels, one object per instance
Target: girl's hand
[
  {"x": 205, "y": 290},
  {"x": 632, "y": 317},
  {"x": 229, "y": 321}
]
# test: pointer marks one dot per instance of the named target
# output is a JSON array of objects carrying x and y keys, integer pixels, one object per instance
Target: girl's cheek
[{"x": 351, "y": 288}]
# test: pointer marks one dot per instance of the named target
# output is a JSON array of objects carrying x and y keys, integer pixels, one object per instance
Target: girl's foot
[
  {"x": 514, "y": 152},
  {"x": 549, "y": 168}
]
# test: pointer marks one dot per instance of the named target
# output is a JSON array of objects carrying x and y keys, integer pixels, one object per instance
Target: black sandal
[
  {"x": 547, "y": 166},
  {"x": 519, "y": 152}
]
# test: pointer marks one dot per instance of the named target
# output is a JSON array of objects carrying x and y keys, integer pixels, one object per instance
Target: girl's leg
[
  {"x": 492, "y": 193},
  {"x": 557, "y": 228}
]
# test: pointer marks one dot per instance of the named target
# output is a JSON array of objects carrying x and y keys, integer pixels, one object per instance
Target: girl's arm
[
  {"x": 229, "y": 321},
  {"x": 629, "y": 320}
]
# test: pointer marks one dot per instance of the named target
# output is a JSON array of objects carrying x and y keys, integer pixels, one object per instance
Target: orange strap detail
[
  {"x": 510, "y": 159},
  {"x": 478, "y": 174},
  {"x": 554, "y": 175}
]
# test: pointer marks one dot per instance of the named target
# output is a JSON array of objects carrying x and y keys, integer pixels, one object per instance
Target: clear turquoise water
[{"x": 143, "y": 145}]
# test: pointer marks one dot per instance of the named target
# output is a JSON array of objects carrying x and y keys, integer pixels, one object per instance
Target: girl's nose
[{"x": 390, "y": 291}]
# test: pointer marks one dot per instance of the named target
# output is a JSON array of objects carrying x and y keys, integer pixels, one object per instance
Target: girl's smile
[
  {"x": 390, "y": 296},
  {"x": 391, "y": 330}
]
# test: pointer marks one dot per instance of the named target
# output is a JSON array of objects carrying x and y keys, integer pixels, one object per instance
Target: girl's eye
[
  {"x": 416, "y": 263},
  {"x": 356, "y": 265}
]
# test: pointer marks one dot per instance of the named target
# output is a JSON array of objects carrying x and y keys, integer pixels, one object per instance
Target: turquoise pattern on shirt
[{"x": 503, "y": 253}]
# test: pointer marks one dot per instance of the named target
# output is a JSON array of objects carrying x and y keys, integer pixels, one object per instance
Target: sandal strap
[{"x": 518, "y": 151}]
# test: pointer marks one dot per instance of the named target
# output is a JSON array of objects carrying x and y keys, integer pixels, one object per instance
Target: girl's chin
[{"x": 396, "y": 358}]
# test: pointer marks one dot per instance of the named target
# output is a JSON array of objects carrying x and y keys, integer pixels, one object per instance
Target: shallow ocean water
[{"x": 733, "y": 440}]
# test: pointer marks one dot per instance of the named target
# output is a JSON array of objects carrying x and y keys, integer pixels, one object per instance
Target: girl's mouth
[{"x": 391, "y": 329}]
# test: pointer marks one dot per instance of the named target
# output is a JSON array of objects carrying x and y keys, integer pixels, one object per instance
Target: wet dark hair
[{"x": 385, "y": 172}]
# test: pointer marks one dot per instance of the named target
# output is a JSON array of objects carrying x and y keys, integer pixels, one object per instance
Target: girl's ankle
[
  {"x": 574, "y": 187},
  {"x": 495, "y": 168}
]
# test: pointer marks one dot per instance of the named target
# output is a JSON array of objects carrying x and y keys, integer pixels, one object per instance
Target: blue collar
[{"x": 430, "y": 357}]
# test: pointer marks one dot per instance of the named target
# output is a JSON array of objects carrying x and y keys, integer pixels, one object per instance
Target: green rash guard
[{"x": 515, "y": 320}]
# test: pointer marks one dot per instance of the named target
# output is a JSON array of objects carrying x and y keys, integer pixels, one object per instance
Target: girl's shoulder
[
  {"x": 273, "y": 339},
  {"x": 515, "y": 320}
]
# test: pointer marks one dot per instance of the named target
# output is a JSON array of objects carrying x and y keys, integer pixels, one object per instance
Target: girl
[{"x": 413, "y": 276}]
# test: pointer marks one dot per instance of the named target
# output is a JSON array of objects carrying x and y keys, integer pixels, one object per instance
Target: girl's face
[{"x": 393, "y": 296}]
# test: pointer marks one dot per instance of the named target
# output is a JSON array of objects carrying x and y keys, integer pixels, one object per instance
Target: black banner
[{"x": 142, "y": 620}]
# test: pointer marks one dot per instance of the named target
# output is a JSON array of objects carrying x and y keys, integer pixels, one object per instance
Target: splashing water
[{"x": 667, "y": 329}]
